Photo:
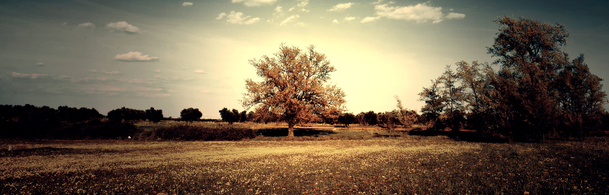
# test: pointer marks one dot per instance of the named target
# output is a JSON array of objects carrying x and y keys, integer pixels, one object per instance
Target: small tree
[
  {"x": 190, "y": 114},
  {"x": 371, "y": 118},
  {"x": 346, "y": 119},
  {"x": 294, "y": 86}
]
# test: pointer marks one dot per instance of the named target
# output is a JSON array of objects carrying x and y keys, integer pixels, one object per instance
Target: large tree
[
  {"x": 294, "y": 86},
  {"x": 530, "y": 56}
]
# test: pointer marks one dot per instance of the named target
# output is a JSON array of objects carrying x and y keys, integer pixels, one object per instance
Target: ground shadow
[
  {"x": 278, "y": 132},
  {"x": 460, "y": 135}
]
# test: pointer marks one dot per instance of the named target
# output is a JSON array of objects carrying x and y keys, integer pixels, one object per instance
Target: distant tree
[
  {"x": 190, "y": 114},
  {"x": 123, "y": 113},
  {"x": 346, "y": 119},
  {"x": 70, "y": 114},
  {"x": 361, "y": 118},
  {"x": 371, "y": 118},
  {"x": 294, "y": 86},
  {"x": 388, "y": 120},
  {"x": 154, "y": 115},
  {"x": 229, "y": 116},
  {"x": 243, "y": 116}
]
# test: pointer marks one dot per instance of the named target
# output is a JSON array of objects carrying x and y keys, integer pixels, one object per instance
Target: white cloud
[
  {"x": 199, "y": 71},
  {"x": 349, "y": 18},
  {"x": 22, "y": 75},
  {"x": 187, "y": 4},
  {"x": 302, "y": 5},
  {"x": 105, "y": 72},
  {"x": 290, "y": 19},
  {"x": 340, "y": 7},
  {"x": 255, "y": 3},
  {"x": 453, "y": 15},
  {"x": 157, "y": 70},
  {"x": 300, "y": 24},
  {"x": 221, "y": 15},
  {"x": 237, "y": 18},
  {"x": 134, "y": 56},
  {"x": 420, "y": 13},
  {"x": 335, "y": 21},
  {"x": 87, "y": 24},
  {"x": 369, "y": 19},
  {"x": 278, "y": 9},
  {"x": 123, "y": 26},
  {"x": 40, "y": 64},
  {"x": 206, "y": 91}
]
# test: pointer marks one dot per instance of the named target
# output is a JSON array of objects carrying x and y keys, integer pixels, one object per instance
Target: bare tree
[{"x": 294, "y": 86}]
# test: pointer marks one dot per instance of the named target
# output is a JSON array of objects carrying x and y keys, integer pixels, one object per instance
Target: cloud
[
  {"x": 340, "y": 7},
  {"x": 22, "y": 75},
  {"x": 105, "y": 72},
  {"x": 87, "y": 25},
  {"x": 206, "y": 91},
  {"x": 335, "y": 21},
  {"x": 187, "y": 4},
  {"x": 105, "y": 90},
  {"x": 300, "y": 24},
  {"x": 289, "y": 19},
  {"x": 255, "y": 3},
  {"x": 40, "y": 64},
  {"x": 237, "y": 18},
  {"x": 453, "y": 15},
  {"x": 349, "y": 18},
  {"x": 199, "y": 71},
  {"x": 157, "y": 70},
  {"x": 278, "y": 9},
  {"x": 123, "y": 26},
  {"x": 302, "y": 5},
  {"x": 134, "y": 56},
  {"x": 420, "y": 13},
  {"x": 369, "y": 19},
  {"x": 221, "y": 15}
]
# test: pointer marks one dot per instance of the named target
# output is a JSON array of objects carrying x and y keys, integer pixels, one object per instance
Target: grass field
[{"x": 340, "y": 161}]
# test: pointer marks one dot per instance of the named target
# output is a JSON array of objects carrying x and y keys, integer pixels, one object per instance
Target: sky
[{"x": 171, "y": 55}]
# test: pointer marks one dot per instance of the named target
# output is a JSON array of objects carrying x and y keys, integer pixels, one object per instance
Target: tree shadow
[
  {"x": 279, "y": 132},
  {"x": 467, "y": 136}
]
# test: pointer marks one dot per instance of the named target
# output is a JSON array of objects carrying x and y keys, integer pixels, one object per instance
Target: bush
[{"x": 191, "y": 133}]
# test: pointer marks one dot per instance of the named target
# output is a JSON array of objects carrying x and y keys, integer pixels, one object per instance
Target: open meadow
[{"x": 329, "y": 161}]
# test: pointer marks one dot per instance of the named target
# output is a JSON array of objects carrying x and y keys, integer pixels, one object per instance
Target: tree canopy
[{"x": 294, "y": 86}]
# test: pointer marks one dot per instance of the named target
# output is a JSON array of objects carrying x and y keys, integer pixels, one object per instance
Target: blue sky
[{"x": 173, "y": 55}]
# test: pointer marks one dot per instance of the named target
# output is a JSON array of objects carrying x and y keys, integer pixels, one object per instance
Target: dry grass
[{"x": 405, "y": 165}]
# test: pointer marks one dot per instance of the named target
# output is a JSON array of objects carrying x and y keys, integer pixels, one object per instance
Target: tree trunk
[{"x": 290, "y": 130}]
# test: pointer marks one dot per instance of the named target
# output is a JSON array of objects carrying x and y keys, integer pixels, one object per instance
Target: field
[{"x": 325, "y": 160}]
